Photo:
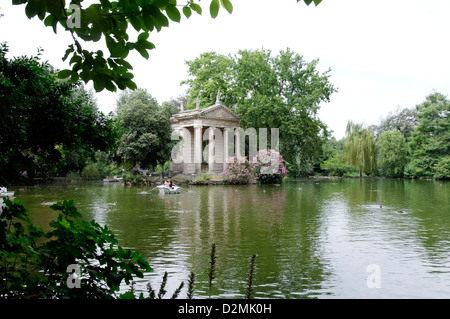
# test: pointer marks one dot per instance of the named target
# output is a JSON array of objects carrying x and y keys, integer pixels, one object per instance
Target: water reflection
[{"x": 314, "y": 238}]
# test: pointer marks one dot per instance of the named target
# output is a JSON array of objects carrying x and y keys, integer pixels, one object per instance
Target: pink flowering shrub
[
  {"x": 240, "y": 172},
  {"x": 268, "y": 167}
]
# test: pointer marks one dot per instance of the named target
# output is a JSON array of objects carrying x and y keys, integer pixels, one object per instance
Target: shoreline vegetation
[{"x": 206, "y": 179}]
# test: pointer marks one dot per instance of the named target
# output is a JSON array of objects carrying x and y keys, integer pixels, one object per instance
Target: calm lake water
[{"x": 314, "y": 238}]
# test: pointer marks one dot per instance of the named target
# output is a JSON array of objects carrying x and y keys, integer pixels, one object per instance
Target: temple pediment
[{"x": 218, "y": 111}]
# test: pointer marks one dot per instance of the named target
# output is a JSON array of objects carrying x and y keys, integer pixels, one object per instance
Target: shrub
[
  {"x": 337, "y": 166},
  {"x": 203, "y": 179},
  {"x": 181, "y": 179},
  {"x": 270, "y": 167},
  {"x": 238, "y": 172},
  {"x": 442, "y": 168},
  {"x": 73, "y": 175},
  {"x": 90, "y": 172}
]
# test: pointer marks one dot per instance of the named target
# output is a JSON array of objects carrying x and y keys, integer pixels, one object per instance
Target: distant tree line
[{"x": 409, "y": 142}]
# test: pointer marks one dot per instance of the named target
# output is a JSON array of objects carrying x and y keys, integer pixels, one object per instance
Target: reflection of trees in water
[
  {"x": 279, "y": 223},
  {"x": 292, "y": 227}
]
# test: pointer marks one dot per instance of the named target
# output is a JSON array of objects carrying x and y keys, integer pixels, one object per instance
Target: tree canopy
[
  {"x": 393, "y": 153},
  {"x": 44, "y": 119},
  {"x": 109, "y": 21},
  {"x": 430, "y": 141},
  {"x": 267, "y": 91},
  {"x": 360, "y": 148},
  {"x": 402, "y": 119},
  {"x": 146, "y": 139}
]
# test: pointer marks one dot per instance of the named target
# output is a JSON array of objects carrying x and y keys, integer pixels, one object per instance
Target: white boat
[
  {"x": 4, "y": 192},
  {"x": 111, "y": 180},
  {"x": 169, "y": 190},
  {"x": 7, "y": 194}
]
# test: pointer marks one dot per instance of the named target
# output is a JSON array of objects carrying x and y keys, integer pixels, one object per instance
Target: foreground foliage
[
  {"x": 34, "y": 263},
  {"x": 109, "y": 21}
]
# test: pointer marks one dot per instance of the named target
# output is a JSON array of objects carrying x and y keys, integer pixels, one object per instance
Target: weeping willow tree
[{"x": 359, "y": 148}]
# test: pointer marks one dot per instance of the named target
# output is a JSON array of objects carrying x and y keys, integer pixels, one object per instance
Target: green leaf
[
  {"x": 127, "y": 295},
  {"x": 115, "y": 49},
  {"x": 63, "y": 74},
  {"x": 214, "y": 8},
  {"x": 148, "y": 22},
  {"x": 308, "y": 2},
  {"x": 187, "y": 12},
  {"x": 55, "y": 7},
  {"x": 124, "y": 63},
  {"x": 93, "y": 13},
  {"x": 127, "y": 76},
  {"x": 75, "y": 59},
  {"x": 35, "y": 7},
  {"x": 130, "y": 84},
  {"x": 148, "y": 45},
  {"x": 161, "y": 3},
  {"x": 196, "y": 8},
  {"x": 74, "y": 77},
  {"x": 143, "y": 36},
  {"x": 50, "y": 21},
  {"x": 160, "y": 20},
  {"x": 173, "y": 13},
  {"x": 99, "y": 83},
  {"x": 64, "y": 222},
  {"x": 143, "y": 52},
  {"x": 110, "y": 86},
  {"x": 135, "y": 22},
  {"x": 227, "y": 5}
]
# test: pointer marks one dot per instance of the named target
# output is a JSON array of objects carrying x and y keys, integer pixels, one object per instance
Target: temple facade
[{"x": 207, "y": 139}]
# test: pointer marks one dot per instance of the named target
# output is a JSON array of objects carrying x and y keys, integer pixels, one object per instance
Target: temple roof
[{"x": 218, "y": 111}]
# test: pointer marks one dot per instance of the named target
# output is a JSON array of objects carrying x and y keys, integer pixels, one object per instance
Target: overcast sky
[{"x": 382, "y": 54}]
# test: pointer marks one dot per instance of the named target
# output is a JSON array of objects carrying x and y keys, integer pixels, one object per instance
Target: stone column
[
  {"x": 187, "y": 150},
  {"x": 211, "y": 149},
  {"x": 198, "y": 145},
  {"x": 225, "y": 148},
  {"x": 237, "y": 143}
]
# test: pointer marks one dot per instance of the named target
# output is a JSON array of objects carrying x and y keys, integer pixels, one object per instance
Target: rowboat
[{"x": 169, "y": 190}]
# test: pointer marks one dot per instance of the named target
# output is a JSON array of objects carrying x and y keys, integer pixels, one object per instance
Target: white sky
[{"x": 382, "y": 54}]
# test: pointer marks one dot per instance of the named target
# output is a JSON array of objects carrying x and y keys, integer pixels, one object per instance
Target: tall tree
[
  {"x": 393, "y": 153},
  {"x": 266, "y": 91},
  {"x": 44, "y": 118},
  {"x": 146, "y": 140},
  {"x": 360, "y": 148},
  {"x": 430, "y": 142},
  {"x": 109, "y": 20},
  {"x": 403, "y": 120}
]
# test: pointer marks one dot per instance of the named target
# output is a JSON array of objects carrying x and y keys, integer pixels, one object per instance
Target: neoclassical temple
[{"x": 208, "y": 137}]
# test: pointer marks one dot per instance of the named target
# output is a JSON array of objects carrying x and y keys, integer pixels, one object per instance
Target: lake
[{"x": 315, "y": 238}]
